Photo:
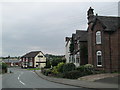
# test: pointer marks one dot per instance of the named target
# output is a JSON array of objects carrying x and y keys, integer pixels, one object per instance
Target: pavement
[{"x": 97, "y": 85}]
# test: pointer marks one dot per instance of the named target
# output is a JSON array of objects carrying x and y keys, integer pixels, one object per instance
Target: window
[
  {"x": 98, "y": 37},
  {"x": 99, "y": 58}
]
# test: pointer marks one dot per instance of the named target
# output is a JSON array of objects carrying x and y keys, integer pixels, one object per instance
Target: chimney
[
  {"x": 67, "y": 39},
  {"x": 90, "y": 15}
]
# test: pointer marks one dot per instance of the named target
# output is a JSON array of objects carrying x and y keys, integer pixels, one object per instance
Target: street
[{"x": 21, "y": 78}]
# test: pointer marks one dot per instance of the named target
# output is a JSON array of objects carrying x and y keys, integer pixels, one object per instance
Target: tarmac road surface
[{"x": 21, "y": 78}]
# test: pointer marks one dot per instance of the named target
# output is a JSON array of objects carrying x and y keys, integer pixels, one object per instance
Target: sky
[{"x": 43, "y": 26}]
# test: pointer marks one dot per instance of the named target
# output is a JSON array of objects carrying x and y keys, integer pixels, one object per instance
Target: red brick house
[
  {"x": 78, "y": 52},
  {"x": 80, "y": 47},
  {"x": 103, "y": 41}
]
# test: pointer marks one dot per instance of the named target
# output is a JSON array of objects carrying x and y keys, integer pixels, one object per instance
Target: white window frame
[
  {"x": 98, "y": 37},
  {"x": 99, "y": 53}
]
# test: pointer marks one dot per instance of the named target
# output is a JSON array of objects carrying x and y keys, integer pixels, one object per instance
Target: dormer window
[{"x": 98, "y": 37}]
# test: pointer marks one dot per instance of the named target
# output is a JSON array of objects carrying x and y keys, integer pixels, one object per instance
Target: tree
[{"x": 48, "y": 64}]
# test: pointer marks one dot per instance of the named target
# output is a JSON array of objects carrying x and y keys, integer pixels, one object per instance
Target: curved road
[{"x": 21, "y": 78}]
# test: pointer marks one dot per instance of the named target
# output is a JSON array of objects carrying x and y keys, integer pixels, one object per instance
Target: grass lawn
[{"x": 33, "y": 69}]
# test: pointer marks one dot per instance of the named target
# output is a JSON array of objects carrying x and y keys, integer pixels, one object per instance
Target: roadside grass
[{"x": 33, "y": 69}]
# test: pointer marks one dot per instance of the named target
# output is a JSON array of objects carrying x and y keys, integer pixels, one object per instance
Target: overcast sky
[{"x": 30, "y": 26}]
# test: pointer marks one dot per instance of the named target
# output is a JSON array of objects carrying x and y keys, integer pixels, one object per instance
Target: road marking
[{"x": 20, "y": 80}]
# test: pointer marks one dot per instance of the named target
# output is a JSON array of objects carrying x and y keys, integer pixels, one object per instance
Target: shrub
[
  {"x": 4, "y": 68},
  {"x": 89, "y": 69},
  {"x": 72, "y": 74},
  {"x": 55, "y": 62},
  {"x": 81, "y": 68},
  {"x": 86, "y": 69},
  {"x": 48, "y": 64},
  {"x": 55, "y": 70},
  {"x": 60, "y": 67},
  {"x": 46, "y": 71},
  {"x": 68, "y": 67}
]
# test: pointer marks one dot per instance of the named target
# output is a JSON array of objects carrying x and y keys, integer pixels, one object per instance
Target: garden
[{"x": 60, "y": 69}]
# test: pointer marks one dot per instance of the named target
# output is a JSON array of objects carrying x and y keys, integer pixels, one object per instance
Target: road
[{"x": 21, "y": 78}]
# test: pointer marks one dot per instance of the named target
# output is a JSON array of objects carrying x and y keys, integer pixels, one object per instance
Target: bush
[
  {"x": 89, "y": 69},
  {"x": 46, "y": 71},
  {"x": 48, "y": 64},
  {"x": 60, "y": 67},
  {"x": 55, "y": 70},
  {"x": 55, "y": 62},
  {"x": 81, "y": 68},
  {"x": 4, "y": 68},
  {"x": 86, "y": 69},
  {"x": 72, "y": 74},
  {"x": 68, "y": 67}
]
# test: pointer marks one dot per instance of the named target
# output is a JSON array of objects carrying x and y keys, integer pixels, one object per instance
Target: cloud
[{"x": 43, "y": 26}]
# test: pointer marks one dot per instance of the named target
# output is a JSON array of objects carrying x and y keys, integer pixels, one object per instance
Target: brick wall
[{"x": 109, "y": 47}]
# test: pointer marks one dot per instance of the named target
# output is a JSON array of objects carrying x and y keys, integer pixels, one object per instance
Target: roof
[
  {"x": 11, "y": 61},
  {"x": 82, "y": 35},
  {"x": 67, "y": 40},
  {"x": 31, "y": 54},
  {"x": 109, "y": 23}
]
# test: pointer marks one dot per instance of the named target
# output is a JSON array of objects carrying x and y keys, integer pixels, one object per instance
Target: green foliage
[
  {"x": 33, "y": 69},
  {"x": 46, "y": 71},
  {"x": 60, "y": 67},
  {"x": 81, "y": 68},
  {"x": 55, "y": 70},
  {"x": 56, "y": 61},
  {"x": 89, "y": 68},
  {"x": 72, "y": 74},
  {"x": 68, "y": 67},
  {"x": 86, "y": 69},
  {"x": 4, "y": 68},
  {"x": 48, "y": 64}
]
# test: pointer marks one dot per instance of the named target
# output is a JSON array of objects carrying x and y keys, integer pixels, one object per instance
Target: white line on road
[{"x": 20, "y": 80}]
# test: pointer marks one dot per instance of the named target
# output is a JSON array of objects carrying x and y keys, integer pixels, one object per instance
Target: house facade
[
  {"x": 80, "y": 48},
  {"x": 67, "y": 49},
  {"x": 103, "y": 41},
  {"x": 75, "y": 46},
  {"x": 33, "y": 59}
]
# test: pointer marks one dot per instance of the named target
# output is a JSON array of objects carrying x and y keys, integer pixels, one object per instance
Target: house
[
  {"x": 80, "y": 48},
  {"x": 67, "y": 49},
  {"x": 33, "y": 59},
  {"x": 103, "y": 41},
  {"x": 11, "y": 62},
  {"x": 71, "y": 48},
  {"x": 76, "y": 48}
]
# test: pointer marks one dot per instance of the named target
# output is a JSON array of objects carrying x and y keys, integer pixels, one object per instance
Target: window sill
[{"x": 99, "y": 66}]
